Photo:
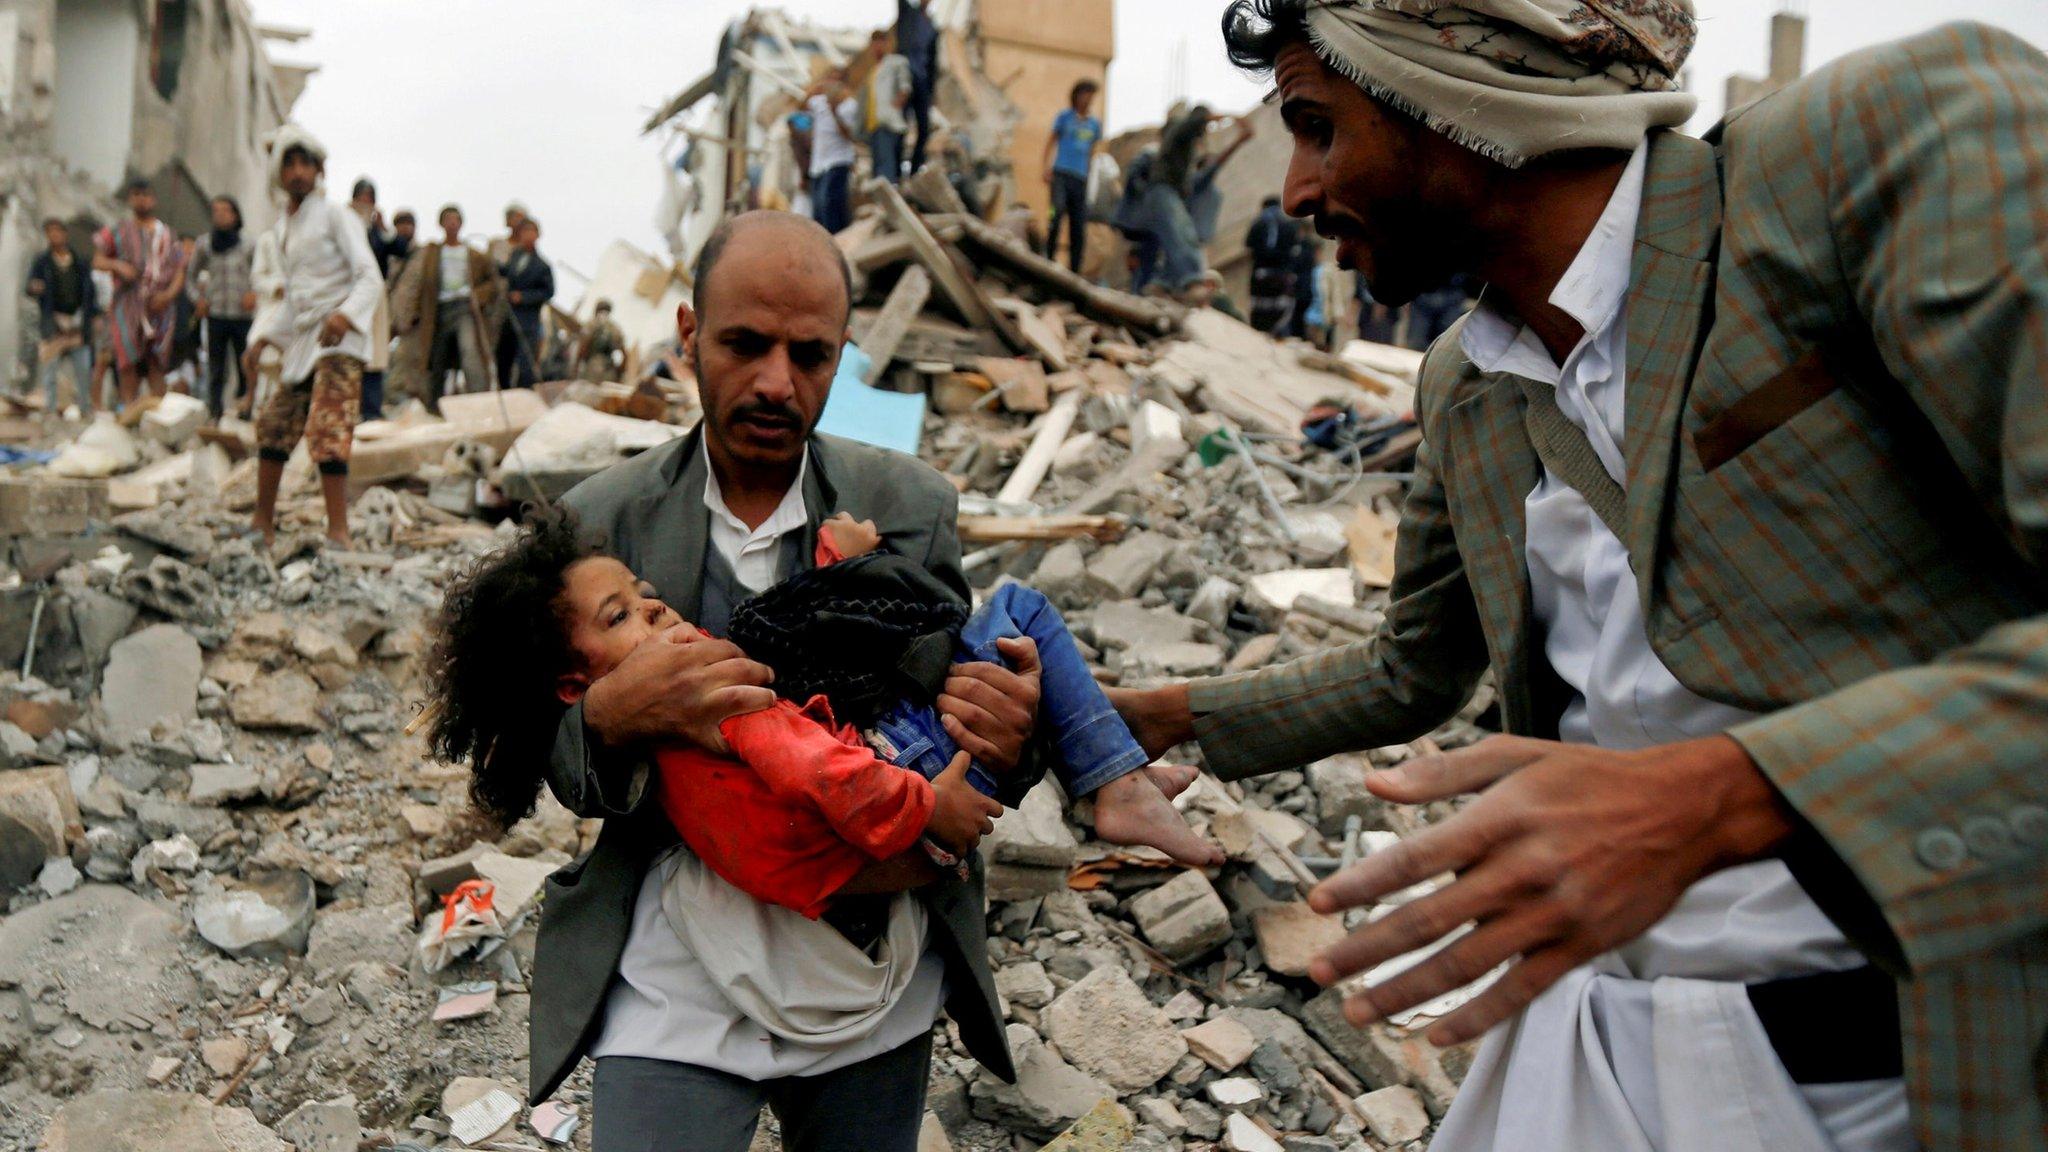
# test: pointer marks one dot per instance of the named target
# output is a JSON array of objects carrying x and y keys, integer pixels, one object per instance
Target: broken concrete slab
[
  {"x": 1034, "y": 833},
  {"x": 1049, "y": 1094},
  {"x": 1127, "y": 568},
  {"x": 1291, "y": 935},
  {"x": 330, "y": 1126},
  {"x": 1183, "y": 917},
  {"x": 152, "y": 679},
  {"x": 135, "y": 1121},
  {"x": 1222, "y": 1043},
  {"x": 1394, "y": 1115},
  {"x": 1105, "y": 1026},
  {"x": 1121, "y": 624},
  {"x": 269, "y": 917},
  {"x": 108, "y": 954},
  {"x": 287, "y": 701},
  {"x": 218, "y": 784}
]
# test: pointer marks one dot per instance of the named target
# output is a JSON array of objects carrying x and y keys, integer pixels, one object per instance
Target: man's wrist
[{"x": 1752, "y": 819}]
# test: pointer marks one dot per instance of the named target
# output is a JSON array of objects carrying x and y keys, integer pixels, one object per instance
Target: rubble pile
[{"x": 245, "y": 911}]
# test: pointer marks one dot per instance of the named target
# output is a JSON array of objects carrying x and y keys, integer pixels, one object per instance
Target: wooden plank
[
  {"x": 1003, "y": 529},
  {"x": 886, "y": 334},
  {"x": 1031, "y": 470},
  {"x": 1154, "y": 316},
  {"x": 895, "y": 248},
  {"x": 1045, "y": 337},
  {"x": 927, "y": 250}
]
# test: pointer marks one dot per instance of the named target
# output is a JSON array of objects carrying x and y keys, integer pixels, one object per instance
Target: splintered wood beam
[
  {"x": 1039, "y": 529},
  {"x": 886, "y": 334},
  {"x": 950, "y": 271}
]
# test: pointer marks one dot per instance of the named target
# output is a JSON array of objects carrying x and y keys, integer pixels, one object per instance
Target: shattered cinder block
[
  {"x": 49, "y": 506},
  {"x": 1183, "y": 917}
]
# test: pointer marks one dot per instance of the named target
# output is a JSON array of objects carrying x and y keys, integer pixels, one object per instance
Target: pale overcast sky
[{"x": 484, "y": 101}]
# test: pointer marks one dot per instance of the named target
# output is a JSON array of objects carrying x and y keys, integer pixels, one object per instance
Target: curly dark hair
[
  {"x": 500, "y": 644},
  {"x": 1254, "y": 31}
]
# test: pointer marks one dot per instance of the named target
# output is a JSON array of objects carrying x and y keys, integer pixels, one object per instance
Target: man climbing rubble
[
  {"x": 1739, "y": 482},
  {"x": 331, "y": 289}
]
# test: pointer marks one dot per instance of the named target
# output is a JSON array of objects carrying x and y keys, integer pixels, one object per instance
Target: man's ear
[
  {"x": 686, "y": 328},
  {"x": 570, "y": 687}
]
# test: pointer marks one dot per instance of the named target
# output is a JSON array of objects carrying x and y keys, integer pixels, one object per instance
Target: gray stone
[
  {"x": 1033, "y": 833},
  {"x": 1271, "y": 1064},
  {"x": 1105, "y": 1026},
  {"x": 286, "y": 701},
  {"x": 1177, "y": 659},
  {"x": 328, "y": 1127},
  {"x": 162, "y": 819},
  {"x": 1068, "y": 911},
  {"x": 1025, "y": 985},
  {"x": 58, "y": 876},
  {"x": 1063, "y": 574},
  {"x": 172, "y": 587},
  {"x": 137, "y": 1121},
  {"x": 223, "y": 783},
  {"x": 1339, "y": 785},
  {"x": 1122, "y": 624},
  {"x": 270, "y": 916},
  {"x": 1012, "y": 882},
  {"x": 380, "y": 934},
  {"x": 1241, "y": 1135},
  {"x": 1300, "y": 1143},
  {"x": 1394, "y": 1115},
  {"x": 1049, "y": 1093},
  {"x": 1183, "y": 917},
  {"x": 17, "y": 748},
  {"x": 1125, "y": 569},
  {"x": 1204, "y": 1122},
  {"x": 100, "y": 620},
  {"x": 152, "y": 678},
  {"x": 320, "y": 1007},
  {"x": 1375, "y": 1054},
  {"x": 1213, "y": 601},
  {"x": 105, "y": 954},
  {"x": 1161, "y": 1113}
]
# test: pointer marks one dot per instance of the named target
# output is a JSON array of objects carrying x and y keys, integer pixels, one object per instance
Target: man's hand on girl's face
[{"x": 677, "y": 684}]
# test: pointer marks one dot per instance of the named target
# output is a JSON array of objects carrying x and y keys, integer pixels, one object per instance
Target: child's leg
[
  {"x": 1095, "y": 744},
  {"x": 919, "y": 742}
]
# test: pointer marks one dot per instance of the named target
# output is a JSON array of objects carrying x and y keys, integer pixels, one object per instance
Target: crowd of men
[{"x": 148, "y": 308}]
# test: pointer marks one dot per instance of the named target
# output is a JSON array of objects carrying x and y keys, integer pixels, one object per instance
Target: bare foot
[
  {"x": 339, "y": 543},
  {"x": 1173, "y": 779},
  {"x": 1135, "y": 809}
]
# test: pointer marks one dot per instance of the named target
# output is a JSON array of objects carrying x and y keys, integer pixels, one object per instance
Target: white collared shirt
[
  {"x": 324, "y": 258},
  {"x": 1653, "y": 1046},
  {"x": 752, "y": 552}
]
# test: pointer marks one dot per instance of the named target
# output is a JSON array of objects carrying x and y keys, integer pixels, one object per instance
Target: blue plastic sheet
[{"x": 871, "y": 415}]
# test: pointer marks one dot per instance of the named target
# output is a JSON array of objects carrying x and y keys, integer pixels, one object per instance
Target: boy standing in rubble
[{"x": 331, "y": 289}]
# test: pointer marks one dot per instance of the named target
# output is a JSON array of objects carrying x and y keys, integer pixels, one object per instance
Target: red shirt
[{"x": 800, "y": 806}]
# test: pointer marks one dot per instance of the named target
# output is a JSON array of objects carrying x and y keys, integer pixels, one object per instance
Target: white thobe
[
  {"x": 325, "y": 258},
  {"x": 1653, "y": 1047}
]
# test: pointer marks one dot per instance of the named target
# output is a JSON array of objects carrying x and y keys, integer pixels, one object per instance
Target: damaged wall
[{"x": 93, "y": 92}]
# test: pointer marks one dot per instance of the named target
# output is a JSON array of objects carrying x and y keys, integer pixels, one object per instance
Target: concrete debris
[
  {"x": 270, "y": 916},
  {"x": 152, "y": 678},
  {"x": 1394, "y": 1115},
  {"x": 1183, "y": 918},
  {"x": 1105, "y": 1026},
  {"x": 130, "y": 1121}
]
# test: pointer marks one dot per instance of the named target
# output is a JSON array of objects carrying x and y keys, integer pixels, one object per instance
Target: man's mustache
[
  {"x": 1331, "y": 227},
  {"x": 768, "y": 414}
]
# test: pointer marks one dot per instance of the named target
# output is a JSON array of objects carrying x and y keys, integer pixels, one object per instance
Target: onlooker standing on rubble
[
  {"x": 147, "y": 263},
  {"x": 67, "y": 303},
  {"x": 888, "y": 96},
  {"x": 1069, "y": 153},
  {"x": 1271, "y": 241},
  {"x": 601, "y": 353},
  {"x": 331, "y": 289},
  {"x": 1738, "y": 479},
  {"x": 398, "y": 248},
  {"x": 444, "y": 304},
  {"x": 832, "y": 155},
  {"x": 917, "y": 38},
  {"x": 529, "y": 285},
  {"x": 224, "y": 290},
  {"x": 363, "y": 201}
]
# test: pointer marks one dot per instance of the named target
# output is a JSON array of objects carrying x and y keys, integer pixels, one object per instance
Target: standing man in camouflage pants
[{"x": 331, "y": 288}]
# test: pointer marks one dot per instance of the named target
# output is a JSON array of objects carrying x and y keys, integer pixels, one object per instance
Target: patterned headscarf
[{"x": 1515, "y": 79}]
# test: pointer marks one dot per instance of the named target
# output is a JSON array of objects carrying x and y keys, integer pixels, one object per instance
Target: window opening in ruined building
[{"x": 167, "y": 46}]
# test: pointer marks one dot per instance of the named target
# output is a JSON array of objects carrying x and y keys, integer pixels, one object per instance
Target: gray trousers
[
  {"x": 456, "y": 346},
  {"x": 876, "y": 1105}
]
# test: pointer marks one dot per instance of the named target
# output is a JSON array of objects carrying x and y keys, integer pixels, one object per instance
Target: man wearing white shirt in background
[
  {"x": 832, "y": 156},
  {"x": 331, "y": 289}
]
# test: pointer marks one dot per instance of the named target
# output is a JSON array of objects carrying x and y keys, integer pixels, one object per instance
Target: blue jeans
[
  {"x": 887, "y": 146},
  {"x": 1095, "y": 746},
  {"x": 831, "y": 198},
  {"x": 80, "y": 359}
]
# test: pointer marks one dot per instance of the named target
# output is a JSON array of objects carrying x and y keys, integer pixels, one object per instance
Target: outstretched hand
[
  {"x": 1569, "y": 851},
  {"x": 990, "y": 710}
]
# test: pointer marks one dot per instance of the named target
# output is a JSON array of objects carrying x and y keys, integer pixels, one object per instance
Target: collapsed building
[{"x": 96, "y": 92}]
